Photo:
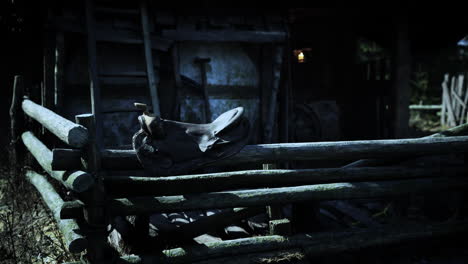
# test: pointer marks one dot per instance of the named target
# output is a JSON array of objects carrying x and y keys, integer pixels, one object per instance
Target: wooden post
[
  {"x": 178, "y": 81},
  {"x": 402, "y": 77},
  {"x": 94, "y": 85},
  {"x": 59, "y": 71},
  {"x": 285, "y": 95},
  {"x": 444, "y": 105},
  {"x": 448, "y": 104},
  {"x": 152, "y": 85},
  {"x": 277, "y": 66},
  {"x": 47, "y": 89},
  {"x": 464, "y": 117},
  {"x": 274, "y": 212},
  {"x": 16, "y": 124},
  {"x": 95, "y": 212}
]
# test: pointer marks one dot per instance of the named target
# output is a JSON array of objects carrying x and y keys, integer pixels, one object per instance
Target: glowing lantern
[{"x": 300, "y": 57}]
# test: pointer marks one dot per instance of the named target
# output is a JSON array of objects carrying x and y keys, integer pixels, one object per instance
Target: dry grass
[{"x": 28, "y": 233}]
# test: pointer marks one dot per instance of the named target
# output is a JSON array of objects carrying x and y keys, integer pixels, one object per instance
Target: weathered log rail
[
  {"x": 124, "y": 186},
  {"x": 258, "y": 197},
  {"x": 67, "y": 131},
  {"x": 74, "y": 241},
  {"x": 114, "y": 159},
  {"x": 133, "y": 195},
  {"x": 78, "y": 181},
  {"x": 239, "y": 250}
]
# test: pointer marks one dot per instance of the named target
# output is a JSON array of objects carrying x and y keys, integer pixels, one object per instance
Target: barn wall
[{"x": 232, "y": 79}]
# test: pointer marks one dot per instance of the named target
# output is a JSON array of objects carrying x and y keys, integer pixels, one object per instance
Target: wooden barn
[{"x": 326, "y": 92}]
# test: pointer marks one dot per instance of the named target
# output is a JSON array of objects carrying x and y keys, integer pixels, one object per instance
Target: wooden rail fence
[{"x": 101, "y": 196}]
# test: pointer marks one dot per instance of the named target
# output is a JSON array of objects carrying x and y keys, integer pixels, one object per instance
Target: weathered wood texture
[
  {"x": 152, "y": 86},
  {"x": 123, "y": 186},
  {"x": 261, "y": 197},
  {"x": 67, "y": 131},
  {"x": 77, "y": 181},
  {"x": 123, "y": 36},
  {"x": 425, "y": 107},
  {"x": 273, "y": 96},
  {"x": 312, "y": 244},
  {"x": 94, "y": 82},
  {"x": 402, "y": 77},
  {"x": 59, "y": 71},
  {"x": 206, "y": 224},
  {"x": 114, "y": 159},
  {"x": 63, "y": 159},
  {"x": 225, "y": 36},
  {"x": 70, "y": 230},
  {"x": 461, "y": 130}
]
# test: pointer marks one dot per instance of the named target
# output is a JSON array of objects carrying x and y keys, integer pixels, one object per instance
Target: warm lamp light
[{"x": 300, "y": 57}]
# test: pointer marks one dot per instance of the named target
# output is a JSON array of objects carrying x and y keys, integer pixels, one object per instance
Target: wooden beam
[
  {"x": 16, "y": 125},
  {"x": 67, "y": 131},
  {"x": 94, "y": 85},
  {"x": 131, "y": 37},
  {"x": 63, "y": 159},
  {"x": 425, "y": 107},
  {"x": 258, "y": 249},
  {"x": 402, "y": 78},
  {"x": 225, "y": 36},
  {"x": 205, "y": 225},
  {"x": 312, "y": 244},
  {"x": 77, "y": 181},
  {"x": 461, "y": 130},
  {"x": 70, "y": 230},
  {"x": 152, "y": 85},
  {"x": 273, "y": 96},
  {"x": 114, "y": 159},
  {"x": 262, "y": 197},
  {"x": 59, "y": 71}
]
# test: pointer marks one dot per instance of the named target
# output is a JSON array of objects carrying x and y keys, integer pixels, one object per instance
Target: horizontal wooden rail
[
  {"x": 425, "y": 107},
  {"x": 260, "y": 197},
  {"x": 77, "y": 181},
  {"x": 74, "y": 241},
  {"x": 312, "y": 244},
  {"x": 461, "y": 130},
  {"x": 124, "y": 186},
  {"x": 339, "y": 150},
  {"x": 67, "y": 131}
]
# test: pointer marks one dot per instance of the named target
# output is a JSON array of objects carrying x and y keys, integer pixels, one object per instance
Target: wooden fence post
[
  {"x": 15, "y": 124},
  {"x": 95, "y": 212}
]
